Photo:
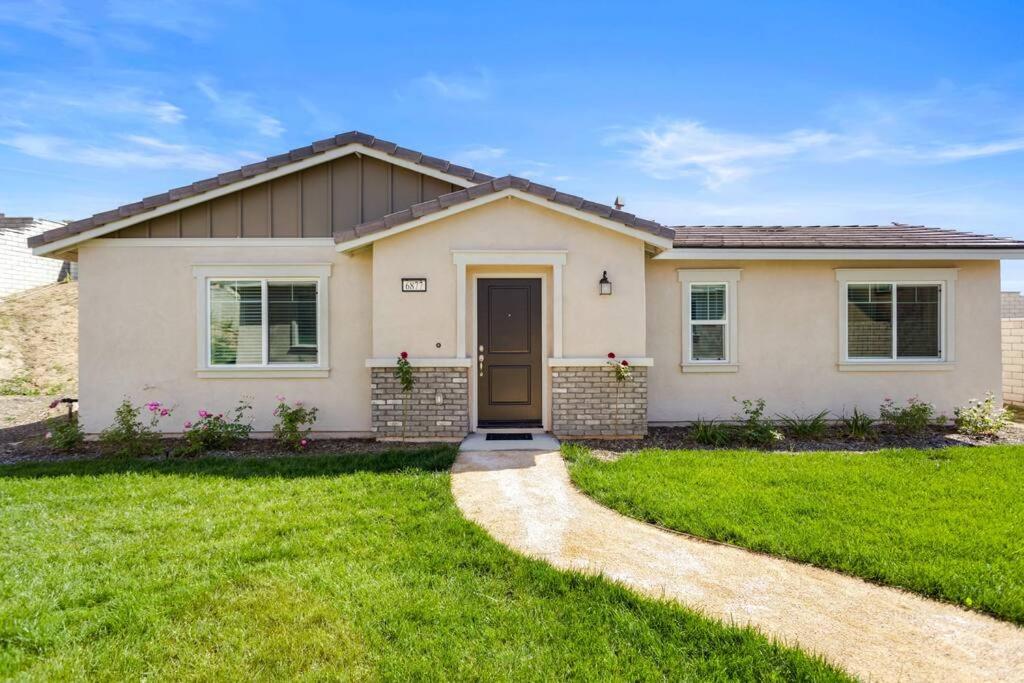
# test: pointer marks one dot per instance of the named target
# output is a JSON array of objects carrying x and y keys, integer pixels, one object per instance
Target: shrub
[
  {"x": 812, "y": 427},
  {"x": 710, "y": 433},
  {"x": 981, "y": 418},
  {"x": 129, "y": 436},
  {"x": 859, "y": 426},
  {"x": 213, "y": 432},
  {"x": 755, "y": 430},
  {"x": 289, "y": 430},
  {"x": 65, "y": 433},
  {"x": 912, "y": 418}
]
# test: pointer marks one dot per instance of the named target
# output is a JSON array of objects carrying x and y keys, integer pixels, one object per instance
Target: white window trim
[
  {"x": 944, "y": 277},
  {"x": 306, "y": 272},
  {"x": 730, "y": 278}
]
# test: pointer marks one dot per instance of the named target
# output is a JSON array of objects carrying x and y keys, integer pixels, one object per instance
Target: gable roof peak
[{"x": 438, "y": 167}]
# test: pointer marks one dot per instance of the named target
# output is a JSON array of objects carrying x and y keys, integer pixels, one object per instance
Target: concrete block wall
[
  {"x": 1012, "y": 304},
  {"x": 436, "y": 409},
  {"x": 19, "y": 269},
  {"x": 1013, "y": 360},
  {"x": 590, "y": 402}
]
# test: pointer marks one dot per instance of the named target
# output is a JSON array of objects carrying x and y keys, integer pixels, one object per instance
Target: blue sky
[{"x": 692, "y": 112}]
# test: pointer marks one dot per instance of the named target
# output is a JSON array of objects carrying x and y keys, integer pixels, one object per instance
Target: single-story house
[{"x": 307, "y": 274}]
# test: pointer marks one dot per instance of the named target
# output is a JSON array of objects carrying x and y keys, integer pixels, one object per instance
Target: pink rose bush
[
  {"x": 213, "y": 432},
  {"x": 129, "y": 436},
  {"x": 294, "y": 423}
]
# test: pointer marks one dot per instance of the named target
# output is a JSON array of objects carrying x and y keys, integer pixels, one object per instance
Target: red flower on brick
[
  {"x": 625, "y": 363},
  {"x": 611, "y": 355}
]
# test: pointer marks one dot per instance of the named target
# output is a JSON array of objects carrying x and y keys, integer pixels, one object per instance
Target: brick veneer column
[
  {"x": 588, "y": 401},
  {"x": 436, "y": 408}
]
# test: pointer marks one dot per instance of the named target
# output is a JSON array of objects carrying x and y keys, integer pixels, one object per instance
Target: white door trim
[{"x": 545, "y": 412}]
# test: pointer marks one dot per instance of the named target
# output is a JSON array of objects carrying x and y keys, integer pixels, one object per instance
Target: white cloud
[
  {"x": 237, "y": 107},
  {"x": 183, "y": 17},
  {"x": 675, "y": 149},
  {"x": 685, "y": 148},
  {"x": 480, "y": 153},
  {"x": 136, "y": 151},
  {"x": 461, "y": 87},
  {"x": 51, "y": 17}
]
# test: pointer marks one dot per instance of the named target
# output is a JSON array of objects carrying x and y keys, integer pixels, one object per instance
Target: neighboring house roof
[
  {"x": 895, "y": 236},
  {"x": 428, "y": 164},
  {"x": 494, "y": 188},
  {"x": 25, "y": 223}
]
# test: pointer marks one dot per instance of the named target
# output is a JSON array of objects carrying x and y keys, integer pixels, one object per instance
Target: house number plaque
[{"x": 414, "y": 284}]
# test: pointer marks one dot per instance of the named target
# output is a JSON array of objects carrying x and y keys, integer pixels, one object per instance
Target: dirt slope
[{"x": 39, "y": 342}]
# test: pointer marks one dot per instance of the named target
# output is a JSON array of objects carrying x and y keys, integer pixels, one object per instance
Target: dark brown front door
[{"x": 509, "y": 338}]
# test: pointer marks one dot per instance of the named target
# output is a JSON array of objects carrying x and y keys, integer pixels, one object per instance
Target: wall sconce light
[{"x": 605, "y": 284}]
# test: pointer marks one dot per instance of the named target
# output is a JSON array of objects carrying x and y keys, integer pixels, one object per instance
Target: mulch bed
[{"x": 679, "y": 438}]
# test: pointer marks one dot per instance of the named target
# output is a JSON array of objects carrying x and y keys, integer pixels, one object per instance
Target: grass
[
  {"x": 350, "y": 567},
  {"x": 947, "y": 523}
]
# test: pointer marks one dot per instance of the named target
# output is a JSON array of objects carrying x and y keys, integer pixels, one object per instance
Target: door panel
[{"x": 509, "y": 335}]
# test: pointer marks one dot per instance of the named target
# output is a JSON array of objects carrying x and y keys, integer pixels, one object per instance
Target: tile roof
[
  {"x": 895, "y": 236},
  {"x": 251, "y": 170},
  {"x": 445, "y": 201}
]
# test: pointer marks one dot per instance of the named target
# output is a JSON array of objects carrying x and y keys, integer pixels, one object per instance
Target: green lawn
[
  {"x": 946, "y": 523},
  {"x": 329, "y": 567}
]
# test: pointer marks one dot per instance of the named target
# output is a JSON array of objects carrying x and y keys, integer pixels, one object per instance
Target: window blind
[
  {"x": 236, "y": 322},
  {"x": 707, "y": 337},
  {"x": 880, "y": 327},
  {"x": 263, "y": 322}
]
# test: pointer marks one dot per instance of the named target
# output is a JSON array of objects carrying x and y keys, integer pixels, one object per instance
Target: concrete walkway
[{"x": 526, "y": 501}]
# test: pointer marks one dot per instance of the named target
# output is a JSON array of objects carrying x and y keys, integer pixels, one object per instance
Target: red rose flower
[
  {"x": 611, "y": 355},
  {"x": 404, "y": 355},
  {"x": 625, "y": 363}
]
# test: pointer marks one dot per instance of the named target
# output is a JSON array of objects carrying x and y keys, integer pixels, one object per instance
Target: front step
[{"x": 522, "y": 442}]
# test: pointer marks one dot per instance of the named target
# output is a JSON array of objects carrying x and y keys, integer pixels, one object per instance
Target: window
[
  {"x": 709, "y": 320},
  {"x": 263, "y": 322},
  {"x": 255, "y": 319},
  {"x": 896, "y": 319}
]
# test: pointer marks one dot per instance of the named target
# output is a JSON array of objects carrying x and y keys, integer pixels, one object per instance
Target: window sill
[
  {"x": 709, "y": 368},
  {"x": 261, "y": 373},
  {"x": 937, "y": 366}
]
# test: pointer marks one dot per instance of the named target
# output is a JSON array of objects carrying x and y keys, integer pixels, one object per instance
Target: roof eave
[
  {"x": 841, "y": 253},
  {"x": 397, "y": 157},
  {"x": 350, "y": 240}
]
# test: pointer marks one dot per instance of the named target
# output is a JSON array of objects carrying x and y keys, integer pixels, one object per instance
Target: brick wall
[
  {"x": 19, "y": 269},
  {"x": 1012, "y": 304},
  {"x": 589, "y": 402},
  {"x": 436, "y": 408},
  {"x": 1013, "y": 360}
]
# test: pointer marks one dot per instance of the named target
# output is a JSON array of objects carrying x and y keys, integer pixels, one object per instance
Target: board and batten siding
[{"x": 315, "y": 202}]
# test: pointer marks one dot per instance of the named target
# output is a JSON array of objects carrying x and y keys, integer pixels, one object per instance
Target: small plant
[
  {"x": 755, "y": 430},
  {"x": 403, "y": 372},
  {"x": 291, "y": 430},
  {"x": 859, "y": 426},
  {"x": 710, "y": 433},
  {"x": 214, "y": 432},
  {"x": 65, "y": 434},
  {"x": 812, "y": 427},
  {"x": 129, "y": 437},
  {"x": 912, "y": 418},
  {"x": 981, "y": 418},
  {"x": 623, "y": 371}
]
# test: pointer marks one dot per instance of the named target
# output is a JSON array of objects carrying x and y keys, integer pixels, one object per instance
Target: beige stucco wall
[
  {"x": 137, "y": 335},
  {"x": 593, "y": 324},
  {"x": 788, "y": 326}
]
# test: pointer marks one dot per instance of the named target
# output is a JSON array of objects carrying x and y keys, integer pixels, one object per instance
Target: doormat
[{"x": 510, "y": 437}]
